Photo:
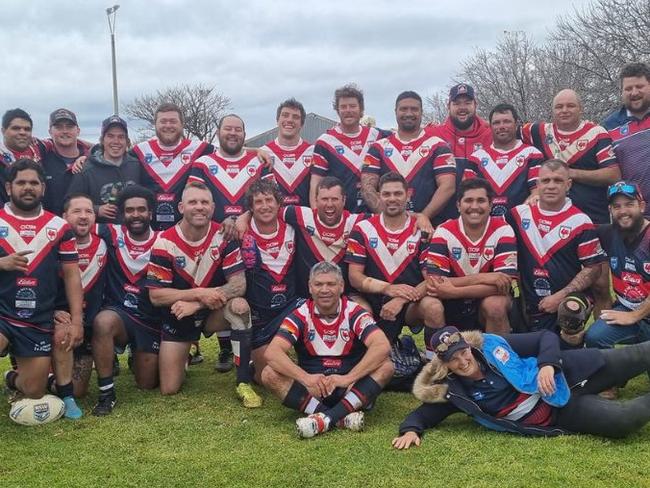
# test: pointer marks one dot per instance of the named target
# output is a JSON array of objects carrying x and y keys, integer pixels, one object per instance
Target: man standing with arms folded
[
  {"x": 340, "y": 152},
  {"x": 425, "y": 162}
]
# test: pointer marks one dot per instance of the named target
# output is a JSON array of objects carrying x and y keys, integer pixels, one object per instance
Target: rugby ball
[{"x": 37, "y": 411}]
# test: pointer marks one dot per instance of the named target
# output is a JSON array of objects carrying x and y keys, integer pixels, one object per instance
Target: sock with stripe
[
  {"x": 298, "y": 398},
  {"x": 361, "y": 394}
]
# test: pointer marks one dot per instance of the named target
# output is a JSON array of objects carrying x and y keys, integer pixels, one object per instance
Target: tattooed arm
[
  {"x": 369, "y": 184},
  {"x": 583, "y": 280},
  {"x": 235, "y": 286}
]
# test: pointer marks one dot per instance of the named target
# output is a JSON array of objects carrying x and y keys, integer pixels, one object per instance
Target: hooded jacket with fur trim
[{"x": 443, "y": 393}]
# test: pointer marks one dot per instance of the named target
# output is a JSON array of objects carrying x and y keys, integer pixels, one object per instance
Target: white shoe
[
  {"x": 312, "y": 425},
  {"x": 352, "y": 421}
]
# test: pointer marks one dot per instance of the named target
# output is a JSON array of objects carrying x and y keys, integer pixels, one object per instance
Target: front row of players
[{"x": 160, "y": 291}]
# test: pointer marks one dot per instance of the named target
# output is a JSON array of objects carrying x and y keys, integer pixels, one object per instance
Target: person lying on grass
[{"x": 525, "y": 384}]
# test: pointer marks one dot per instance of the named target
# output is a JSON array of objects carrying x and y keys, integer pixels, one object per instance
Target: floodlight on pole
[{"x": 111, "y": 13}]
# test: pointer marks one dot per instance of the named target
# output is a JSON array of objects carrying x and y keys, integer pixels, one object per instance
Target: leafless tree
[
  {"x": 202, "y": 107},
  {"x": 584, "y": 51},
  {"x": 435, "y": 108}
]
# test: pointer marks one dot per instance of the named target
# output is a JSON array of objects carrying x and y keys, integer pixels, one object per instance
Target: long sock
[
  {"x": 11, "y": 378},
  {"x": 241, "y": 347},
  {"x": 64, "y": 390},
  {"x": 223, "y": 337},
  {"x": 51, "y": 384},
  {"x": 361, "y": 394},
  {"x": 106, "y": 386},
  {"x": 298, "y": 398}
]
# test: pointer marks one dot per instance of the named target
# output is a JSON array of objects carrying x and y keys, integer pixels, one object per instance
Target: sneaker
[
  {"x": 72, "y": 410},
  {"x": 105, "y": 404},
  {"x": 247, "y": 395},
  {"x": 352, "y": 421},
  {"x": 312, "y": 425},
  {"x": 196, "y": 357},
  {"x": 224, "y": 362},
  {"x": 116, "y": 366}
]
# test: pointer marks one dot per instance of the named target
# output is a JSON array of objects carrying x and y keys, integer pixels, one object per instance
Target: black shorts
[
  {"x": 26, "y": 342},
  {"x": 142, "y": 337},
  {"x": 187, "y": 329},
  {"x": 266, "y": 324},
  {"x": 462, "y": 313}
]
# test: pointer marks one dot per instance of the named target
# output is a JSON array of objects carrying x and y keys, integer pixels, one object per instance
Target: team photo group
[{"x": 497, "y": 267}]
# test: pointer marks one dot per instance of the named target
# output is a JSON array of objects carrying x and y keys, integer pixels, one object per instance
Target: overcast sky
[{"x": 258, "y": 53}]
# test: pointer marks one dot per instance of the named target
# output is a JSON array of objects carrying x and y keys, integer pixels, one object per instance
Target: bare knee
[
  {"x": 495, "y": 307},
  {"x": 239, "y": 306},
  {"x": 433, "y": 311},
  {"x": 269, "y": 377},
  {"x": 384, "y": 373}
]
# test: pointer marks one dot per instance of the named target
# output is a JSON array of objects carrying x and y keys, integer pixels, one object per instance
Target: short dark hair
[
  {"x": 348, "y": 91},
  {"x": 392, "y": 177},
  {"x": 266, "y": 186},
  {"x": 408, "y": 94},
  {"x": 24, "y": 164},
  {"x": 135, "y": 191},
  {"x": 634, "y": 70},
  {"x": 294, "y": 104},
  {"x": 474, "y": 184},
  {"x": 15, "y": 113},
  {"x": 329, "y": 182},
  {"x": 502, "y": 108},
  {"x": 74, "y": 196},
  {"x": 220, "y": 123},
  {"x": 169, "y": 107}
]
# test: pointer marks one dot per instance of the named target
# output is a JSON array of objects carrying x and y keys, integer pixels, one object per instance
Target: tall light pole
[{"x": 111, "y": 13}]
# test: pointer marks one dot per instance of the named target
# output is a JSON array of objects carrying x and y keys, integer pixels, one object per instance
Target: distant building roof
[{"x": 315, "y": 126}]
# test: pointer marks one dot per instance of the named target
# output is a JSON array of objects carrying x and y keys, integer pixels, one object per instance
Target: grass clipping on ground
[{"x": 203, "y": 437}]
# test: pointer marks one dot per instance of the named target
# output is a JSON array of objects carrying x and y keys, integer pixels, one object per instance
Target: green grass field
[{"x": 202, "y": 437}]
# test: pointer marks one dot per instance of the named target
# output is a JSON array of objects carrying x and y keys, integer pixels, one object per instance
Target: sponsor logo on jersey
[
  {"x": 50, "y": 233},
  {"x": 214, "y": 253},
  {"x": 374, "y": 242},
  {"x": 582, "y": 144},
  {"x": 23, "y": 281},
  {"x": 251, "y": 169},
  {"x": 456, "y": 252},
  {"x": 345, "y": 334},
  {"x": 525, "y": 223},
  {"x": 180, "y": 261},
  {"x": 565, "y": 231},
  {"x": 424, "y": 151},
  {"x": 411, "y": 246},
  {"x": 186, "y": 157},
  {"x": 310, "y": 230},
  {"x": 488, "y": 252}
]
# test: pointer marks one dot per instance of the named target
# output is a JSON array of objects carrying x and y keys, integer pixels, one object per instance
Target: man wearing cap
[
  {"x": 61, "y": 153},
  {"x": 110, "y": 168},
  {"x": 526, "y": 384},
  {"x": 626, "y": 242},
  {"x": 463, "y": 130}
]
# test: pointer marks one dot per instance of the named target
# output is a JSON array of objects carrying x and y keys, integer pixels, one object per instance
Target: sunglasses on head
[
  {"x": 449, "y": 341},
  {"x": 622, "y": 187}
]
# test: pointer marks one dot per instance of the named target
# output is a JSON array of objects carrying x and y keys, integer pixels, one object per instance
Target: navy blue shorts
[
  {"x": 462, "y": 313},
  {"x": 85, "y": 348},
  {"x": 187, "y": 329},
  {"x": 26, "y": 342},
  {"x": 142, "y": 337},
  {"x": 266, "y": 323}
]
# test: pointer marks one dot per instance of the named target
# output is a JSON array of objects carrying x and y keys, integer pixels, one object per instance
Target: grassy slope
[{"x": 202, "y": 436}]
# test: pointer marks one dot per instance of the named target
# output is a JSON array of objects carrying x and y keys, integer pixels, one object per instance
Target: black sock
[
  {"x": 298, "y": 398},
  {"x": 361, "y": 394},
  {"x": 64, "y": 390},
  {"x": 106, "y": 386},
  {"x": 241, "y": 346},
  {"x": 11, "y": 378},
  {"x": 224, "y": 341},
  {"x": 51, "y": 384}
]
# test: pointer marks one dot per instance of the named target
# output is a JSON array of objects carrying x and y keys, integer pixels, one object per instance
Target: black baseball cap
[
  {"x": 446, "y": 341},
  {"x": 112, "y": 121},
  {"x": 461, "y": 89},
  {"x": 62, "y": 114}
]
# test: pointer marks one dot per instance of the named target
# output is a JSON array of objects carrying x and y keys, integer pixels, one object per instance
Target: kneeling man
[{"x": 343, "y": 361}]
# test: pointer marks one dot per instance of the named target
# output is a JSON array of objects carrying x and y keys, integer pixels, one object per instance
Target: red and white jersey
[
  {"x": 453, "y": 253},
  {"x": 182, "y": 264},
  {"x": 228, "y": 178},
  {"x": 341, "y": 155},
  {"x": 168, "y": 166},
  {"x": 291, "y": 170},
  {"x": 553, "y": 248},
  {"x": 420, "y": 161},
  {"x": 27, "y": 298},
  {"x": 328, "y": 346},
  {"x": 587, "y": 148},
  {"x": 34, "y": 152},
  {"x": 392, "y": 256},
  {"x": 512, "y": 174},
  {"x": 92, "y": 261}
]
